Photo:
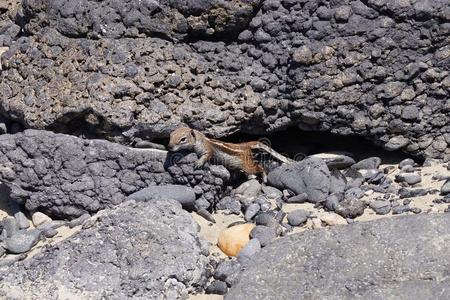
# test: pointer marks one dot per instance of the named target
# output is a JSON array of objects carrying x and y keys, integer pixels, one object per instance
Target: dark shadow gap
[{"x": 293, "y": 143}]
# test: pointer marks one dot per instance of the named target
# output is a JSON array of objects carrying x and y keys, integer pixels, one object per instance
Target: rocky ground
[
  {"x": 312, "y": 195},
  {"x": 92, "y": 205}
]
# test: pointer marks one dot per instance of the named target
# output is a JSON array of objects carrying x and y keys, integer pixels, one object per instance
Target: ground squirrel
[{"x": 232, "y": 156}]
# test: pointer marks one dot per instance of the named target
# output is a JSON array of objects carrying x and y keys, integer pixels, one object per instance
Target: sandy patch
[{"x": 210, "y": 231}]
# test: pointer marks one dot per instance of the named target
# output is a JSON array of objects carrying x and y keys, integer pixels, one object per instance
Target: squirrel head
[{"x": 183, "y": 138}]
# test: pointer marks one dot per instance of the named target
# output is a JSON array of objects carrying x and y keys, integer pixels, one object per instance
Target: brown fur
[{"x": 230, "y": 155}]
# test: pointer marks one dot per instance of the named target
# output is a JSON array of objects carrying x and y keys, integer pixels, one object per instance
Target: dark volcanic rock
[
  {"x": 445, "y": 189},
  {"x": 338, "y": 182},
  {"x": 350, "y": 208},
  {"x": 310, "y": 176},
  {"x": 22, "y": 241},
  {"x": 137, "y": 250},
  {"x": 263, "y": 234},
  {"x": 127, "y": 69},
  {"x": 381, "y": 207},
  {"x": 297, "y": 217},
  {"x": 229, "y": 205},
  {"x": 217, "y": 287},
  {"x": 112, "y": 19},
  {"x": 65, "y": 176},
  {"x": 371, "y": 260},
  {"x": 368, "y": 163},
  {"x": 226, "y": 268}
]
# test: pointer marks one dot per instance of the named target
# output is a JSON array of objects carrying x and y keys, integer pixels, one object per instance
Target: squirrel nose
[{"x": 170, "y": 147}]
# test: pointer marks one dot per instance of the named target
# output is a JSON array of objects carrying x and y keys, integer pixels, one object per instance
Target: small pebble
[
  {"x": 445, "y": 189},
  {"x": 217, "y": 287},
  {"x": 265, "y": 206},
  {"x": 388, "y": 170},
  {"x": 332, "y": 202},
  {"x": 78, "y": 221},
  {"x": 302, "y": 198},
  {"x": 351, "y": 208},
  {"x": 230, "y": 205},
  {"x": 248, "y": 191},
  {"x": 416, "y": 210},
  {"x": 297, "y": 217},
  {"x": 226, "y": 268},
  {"x": 407, "y": 193},
  {"x": 400, "y": 209},
  {"x": 264, "y": 234},
  {"x": 50, "y": 233},
  {"x": 286, "y": 228},
  {"x": 407, "y": 169},
  {"x": 332, "y": 219},
  {"x": 264, "y": 218},
  {"x": 201, "y": 212},
  {"x": 406, "y": 162},
  {"x": 251, "y": 211},
  {"x": 271, "y": 192},
  {"x": 410, "y": 178},
  {"x": 380, "y": 207},
  {"x": 316, "y": 223},
  {"x": 280, "y": 216}
]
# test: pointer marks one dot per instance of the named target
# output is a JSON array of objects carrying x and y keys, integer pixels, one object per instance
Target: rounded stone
[
  {"x": 39, "y": 218},
  {"x": 232, "y": 240},
  {"x": 22, "y": 241},
  {"x": 297, "y": 217}
]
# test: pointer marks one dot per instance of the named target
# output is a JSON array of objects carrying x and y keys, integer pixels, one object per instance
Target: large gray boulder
[
  {"x": 133, "y": 251},
  {"x": 401, "y": 258},
  {"x": 378, "y": 69},
  {"x": 65, "y": 176}
]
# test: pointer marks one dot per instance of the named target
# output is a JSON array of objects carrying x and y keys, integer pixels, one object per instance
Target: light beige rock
[
  {"x": 316, "y": 223},
  {"x": 39, "y": 218},
  {"x": 232, "y": 240},
  {"x": 332, "y": 219}
]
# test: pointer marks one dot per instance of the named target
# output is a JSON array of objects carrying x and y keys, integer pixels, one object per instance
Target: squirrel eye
[{"x": 183, "y": 140}]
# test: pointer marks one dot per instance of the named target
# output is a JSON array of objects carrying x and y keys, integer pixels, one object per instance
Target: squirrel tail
[{"x": 263, "y": 147}]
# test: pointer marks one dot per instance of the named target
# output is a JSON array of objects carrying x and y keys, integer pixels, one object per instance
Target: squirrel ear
[{"x": 194, "y": 135}]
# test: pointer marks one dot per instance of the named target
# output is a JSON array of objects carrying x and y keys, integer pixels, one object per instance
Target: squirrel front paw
[{"x": 198, "y": 164}]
